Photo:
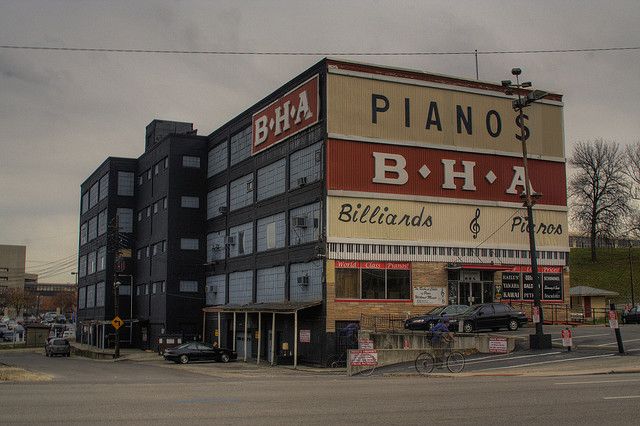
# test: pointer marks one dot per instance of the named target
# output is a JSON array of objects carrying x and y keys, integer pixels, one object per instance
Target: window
[
  {"x": 102, "y": 222},
  {"x": 155, "y": 250},
  {"x": 164, "y": 203},
  {"x": 156, "y": 169},
  {"x": 91, "y": 296},
  {"x": 163, "y": 287},
  {"x": 93, "y": 228},
  {"x": 166, "y": 162},
  {"x": 240, "y": 145},
  {"x": 85, "y": 202},
  {"x": 93, "y": 194},
  {"x": 191, "y": 161},
  {"x": 272, "y": 179},
  {"x": 188, "y": 286},
  {"x": 218, "y": 157},
  {"x": 140, "y": 179},
  {"x": 125, "y": 220},
  {"x": 164, "y": 246},
  {"x": 306, "y": 166},
  {"x": 91, "y": 260},
  {"x": 146, "y": 289},
  {"x": 149, "y": 174},
  {"x": 100, "y": 294},
  {"x": 124, "y": 290},
  {"x": 140, "y": 214},
  {"x": 271, "y": 232},
  {"x": 149, "y": 211},
  {"x": 190, "y": 202},
  {"x": 310, "y": 231},
  {"x": 155, "y": 207},
  {"x": 189, "y": 243},
  {"x": 83, "y": 234},
  {"x": 154, "y": 288},
  {"x": 215, "y": 290},
  {"x": 216, "y": 199},
  {"x": 138, "y": 290},
  {"x": 82, "y": 266},
  {"x": 102, "y": 258},
  {"x": 241, "y": 242},
  {"x": 146, "y": 251},
  {"x": 378, "y": 281},
  {"x": 239, "y": 194},
  {"x": 82, "y": 297},
  {"x": 125, "y": 183}
]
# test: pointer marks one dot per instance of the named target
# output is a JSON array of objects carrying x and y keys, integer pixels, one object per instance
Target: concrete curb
[{"x": 603, "y": 371}]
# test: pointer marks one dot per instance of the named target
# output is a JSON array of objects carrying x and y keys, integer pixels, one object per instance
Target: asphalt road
[{"x": 89, "y": 392}]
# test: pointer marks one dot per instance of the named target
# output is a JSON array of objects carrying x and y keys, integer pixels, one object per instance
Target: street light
[{"x": 539, "y": 340}]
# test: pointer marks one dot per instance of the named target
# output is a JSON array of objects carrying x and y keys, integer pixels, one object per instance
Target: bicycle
[{"x": 454, "y": 360}]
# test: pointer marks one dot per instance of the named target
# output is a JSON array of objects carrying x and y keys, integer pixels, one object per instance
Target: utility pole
[
  {"x": 633, "y": 299},
  {"x": 539, "y": 340}
]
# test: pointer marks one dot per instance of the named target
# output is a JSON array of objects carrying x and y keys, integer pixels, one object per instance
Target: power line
[{"x": 319, "y": 53}]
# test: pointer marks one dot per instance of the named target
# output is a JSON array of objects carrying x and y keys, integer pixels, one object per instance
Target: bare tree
[
  {"x": 632, "y": 154},
  {"x": 599, "y": 189}
]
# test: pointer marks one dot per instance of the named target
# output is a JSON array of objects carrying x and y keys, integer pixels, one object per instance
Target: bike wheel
[
  {"x": 455, "y": 362},
  {"x": 424, "y": 363},
  {"x": 369, "y": 371}
]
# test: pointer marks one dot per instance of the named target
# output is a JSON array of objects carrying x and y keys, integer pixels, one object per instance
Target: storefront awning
[{"x": 282, "y": 307}]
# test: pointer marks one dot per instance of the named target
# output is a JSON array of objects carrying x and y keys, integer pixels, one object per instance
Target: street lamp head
[
  {"x": 526, "y": 84},
  {"x": 506, "y": 83},
  {"x": 516, "y": 71},
  {"x": 117, "y": 284}
]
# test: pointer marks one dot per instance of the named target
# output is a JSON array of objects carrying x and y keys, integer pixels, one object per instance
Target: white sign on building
[{"x": 429, "y": 296}]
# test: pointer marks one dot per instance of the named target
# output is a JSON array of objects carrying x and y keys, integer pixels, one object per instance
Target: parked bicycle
[{"x": 443, "y": 355}]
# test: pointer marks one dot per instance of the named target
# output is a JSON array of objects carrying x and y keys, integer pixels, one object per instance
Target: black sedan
[
  {"x": 197, "y": 351},
  {"x": 632, "y": 316},
  {"x": 431, "y": 318},
  {"x": 492, "y": 316}
]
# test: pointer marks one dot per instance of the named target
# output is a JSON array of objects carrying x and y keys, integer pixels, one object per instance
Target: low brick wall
[{"x": 91, "y": 351}]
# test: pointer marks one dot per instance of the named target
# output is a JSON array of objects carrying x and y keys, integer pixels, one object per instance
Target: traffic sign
[
  {"x": 117, "y": 322},
  {"x": 535, "y": 313}
]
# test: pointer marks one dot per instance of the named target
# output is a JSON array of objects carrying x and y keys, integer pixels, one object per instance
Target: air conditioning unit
[
  {"x": 230, "y": 240},
  {"x": 216, "y": 247},
  {"x": 302, "y": 181},
  {"x": 300, "y": 222},
  {"x": 303, "y": 280},
  {"x": 250, "y": 186},
  {"x": 223, "y": 209}
]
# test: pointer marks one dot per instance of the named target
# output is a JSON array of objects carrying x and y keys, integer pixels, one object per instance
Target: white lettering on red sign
[
  {"x": 354, "y": 264},
  {"x": 290, "y": 114}
]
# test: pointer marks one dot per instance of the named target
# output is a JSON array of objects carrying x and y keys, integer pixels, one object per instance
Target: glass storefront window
[
  {"x": 398, "y": 286},
  {"x": 373, "y": 284},
  {"x": 347, "y": 284}
]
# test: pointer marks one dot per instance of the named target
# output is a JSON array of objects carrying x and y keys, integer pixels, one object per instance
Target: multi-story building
[
  {"x": 12, "y": 266},
  {"x": 349, "y": 192}
]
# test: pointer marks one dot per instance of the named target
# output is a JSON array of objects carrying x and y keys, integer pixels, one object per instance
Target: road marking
[
  {"x": 548, "y": 362},
  {"x": 597, "y": 381},
  {"x": 622, "y": 397},
  {"x": 615, "y": 343},
  {"x": 580, "y": 337}
]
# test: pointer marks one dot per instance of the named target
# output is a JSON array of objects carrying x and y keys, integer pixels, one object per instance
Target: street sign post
[{"x": 117, "y": 322}]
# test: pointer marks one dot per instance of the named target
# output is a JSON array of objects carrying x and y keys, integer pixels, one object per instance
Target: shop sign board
[
  {"x": 305, "y": 336},
  {"x": 378, "y": 221},
  {"x": 535, "y": 314},
  {"x": 365, "y": 344},
  {"x": 288, "y": 115},
  {"x": 411, "y": 171},
  {"x": 363, "y": 357},
  {"x": 429, "y": 296},
  {"x": 404, "y": 110},
  {"x": 498, "y": 345}
]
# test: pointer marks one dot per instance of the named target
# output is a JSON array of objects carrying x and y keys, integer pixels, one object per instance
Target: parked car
[
  {"x": 57, "y": 347},
  {"x": 492, "y": 316},
  {"x": 196, "y": 351},
  {"x": 632, "y": 316},
  {"x": 431, "y": 318}
]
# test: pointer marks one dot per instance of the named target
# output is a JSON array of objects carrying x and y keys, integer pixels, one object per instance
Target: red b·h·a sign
[{"x": 286, "y": 116}]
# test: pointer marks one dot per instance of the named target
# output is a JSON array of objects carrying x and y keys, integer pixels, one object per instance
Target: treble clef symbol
[{"x": 474, "y": 226}]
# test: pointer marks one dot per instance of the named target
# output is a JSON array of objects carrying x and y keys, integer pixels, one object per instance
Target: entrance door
[
  {"x": 465, "y": 294},
  {"x": 587, "y": 306}
]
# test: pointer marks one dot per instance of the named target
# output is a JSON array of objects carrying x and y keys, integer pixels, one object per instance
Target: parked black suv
[{"x": 492, "y": 316}]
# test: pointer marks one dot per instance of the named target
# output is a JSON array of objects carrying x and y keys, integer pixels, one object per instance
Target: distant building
[{"x": 12, "y": 266}]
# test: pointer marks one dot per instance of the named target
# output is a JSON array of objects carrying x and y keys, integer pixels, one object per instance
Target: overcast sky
[{"x": 63, "y": 113}]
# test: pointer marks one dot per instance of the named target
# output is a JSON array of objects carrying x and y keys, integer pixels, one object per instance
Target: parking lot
[{"x": 593, "y": 346}]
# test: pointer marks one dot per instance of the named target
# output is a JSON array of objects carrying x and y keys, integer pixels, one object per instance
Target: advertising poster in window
[
  {"x": 552, "y": 287},
  {"x": 429, "y": 296},
  {"x": 511, "y": 286},
  {"x": 527, "y": 286}
]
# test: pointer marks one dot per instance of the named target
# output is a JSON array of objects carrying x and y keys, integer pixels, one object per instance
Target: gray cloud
[{"x": 61, "y": 114}]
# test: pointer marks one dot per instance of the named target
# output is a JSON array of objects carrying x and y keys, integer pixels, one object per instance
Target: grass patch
[
  {"x": 15, "y": 374},
  {"x": 610, "y": 272}
]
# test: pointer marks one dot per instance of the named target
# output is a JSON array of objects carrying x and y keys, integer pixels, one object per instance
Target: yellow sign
[
  {"x": 257, "y": 334},
  {"x": 474, "y": 119},
  {"x": 379, "y": 221},
  {"x": 117, "y": 322},
  {"x": 216, "y": 332}
]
